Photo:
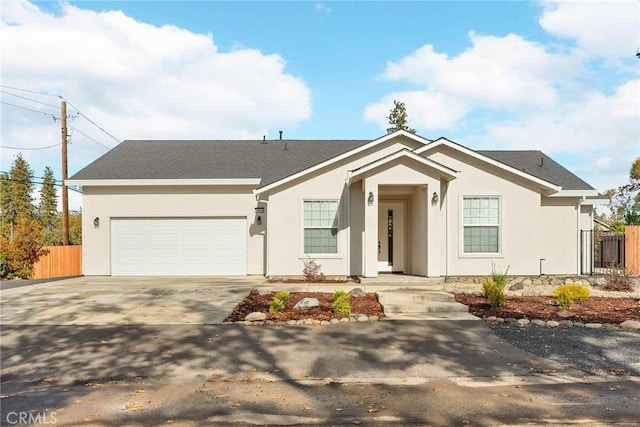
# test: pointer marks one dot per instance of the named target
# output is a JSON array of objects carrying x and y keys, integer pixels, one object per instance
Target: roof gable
[
  {"x": 549, "y": 186},
  {"x": 444, "y": 170}
]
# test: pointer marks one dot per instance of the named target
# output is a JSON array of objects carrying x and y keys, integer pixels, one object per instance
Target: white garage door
[{"x": 178, "y": 246}]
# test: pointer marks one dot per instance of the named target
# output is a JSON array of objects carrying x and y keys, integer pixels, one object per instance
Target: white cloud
[
  {"x": 606, "y": 29},
  {"x": 136, "y": 80},
  {"x": 500, "y": 73},
  {"x": 512, "y": 93}
]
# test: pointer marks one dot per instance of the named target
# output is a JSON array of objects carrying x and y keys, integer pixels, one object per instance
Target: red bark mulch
[
  {"x": 591, "y": 310},
  {"x": 367, "y": 304}
]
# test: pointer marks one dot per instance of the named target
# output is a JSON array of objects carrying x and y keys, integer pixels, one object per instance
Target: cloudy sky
[{"x": 561, "y": 77}]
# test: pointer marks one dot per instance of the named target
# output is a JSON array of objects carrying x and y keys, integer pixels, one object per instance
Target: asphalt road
[{"x": 378, "y": 373}]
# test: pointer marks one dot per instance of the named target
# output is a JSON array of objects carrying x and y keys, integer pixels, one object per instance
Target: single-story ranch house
[{"x": 399, "y": 203}]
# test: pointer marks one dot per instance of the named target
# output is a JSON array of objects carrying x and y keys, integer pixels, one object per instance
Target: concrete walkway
[
  {"x": 124, "y": 300},
  {"x": 149, "y": 351}
]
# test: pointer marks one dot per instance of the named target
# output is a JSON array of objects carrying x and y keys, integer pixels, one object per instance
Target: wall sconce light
[
  {"x": 96, "y": 222},
  {"x": 370, "y": 198},
  {"x": 259, "y": 210},
  {"x": 259, "y": 220},
  {"x": 434, "y": 199}
]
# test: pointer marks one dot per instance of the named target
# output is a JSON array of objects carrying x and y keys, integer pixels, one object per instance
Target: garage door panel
[{"x": 179, "y": 246}]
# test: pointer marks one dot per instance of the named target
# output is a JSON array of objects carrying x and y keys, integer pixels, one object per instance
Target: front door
[{"x": 391, "y": 237}]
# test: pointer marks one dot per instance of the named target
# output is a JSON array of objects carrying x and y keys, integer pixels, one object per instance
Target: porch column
[{"x": 370, "y": 250}]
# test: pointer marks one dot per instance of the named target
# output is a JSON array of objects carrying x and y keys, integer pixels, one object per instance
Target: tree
[
  {"x": 624, "y": 201},
  {"x": 48, "y": 210},
  {"x": 16, "y": 199},
  {"x": 20, "y": 234},
  {"x": 398, "y": 118}
]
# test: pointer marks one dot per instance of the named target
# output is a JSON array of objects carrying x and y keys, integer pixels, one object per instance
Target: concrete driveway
[{"x": 124, "y": 300}]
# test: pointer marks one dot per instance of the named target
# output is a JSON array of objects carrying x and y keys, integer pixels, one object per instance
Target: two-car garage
[{"x": 178, "y": 246}]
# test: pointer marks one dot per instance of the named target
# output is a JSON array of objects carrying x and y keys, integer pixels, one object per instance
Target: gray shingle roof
[
  {"x": 213, "y": 159},
  {"x": 270, "y": 162},
  {"x": 540, "y": 165}
]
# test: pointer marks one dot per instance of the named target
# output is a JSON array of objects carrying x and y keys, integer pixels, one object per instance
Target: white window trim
[
  {"x": 484, "y": 255},
  {"x": 303, "y": 254}
]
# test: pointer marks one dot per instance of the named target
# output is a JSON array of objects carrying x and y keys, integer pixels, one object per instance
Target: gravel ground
[{"x": 595, "y": 351}]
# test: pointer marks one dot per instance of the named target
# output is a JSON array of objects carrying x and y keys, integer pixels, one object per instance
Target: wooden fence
[
  {"x": 61, "y": 261},
  {"x": 632, "y": 249}
]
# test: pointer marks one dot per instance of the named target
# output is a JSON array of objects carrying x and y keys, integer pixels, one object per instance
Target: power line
[
  {"x": 29, "y": 99},
  {"x": 34, "y": 177},
  {"x": 30, "y": 91},
  {"x": 30, "y": 149},
  {"x": 92, "y": 122},
  {"x": 30, "y": 109},
  {"x": 39, "y": 183},
  {"x": 92, "y": 139}
]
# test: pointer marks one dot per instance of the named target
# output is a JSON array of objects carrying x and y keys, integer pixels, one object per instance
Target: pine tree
[
  {"x": 398, "y": 118},
  {"x": 48, "y": 210},
  {"x": 21, "y": 238},
  {"x": 15, "y": 198}
]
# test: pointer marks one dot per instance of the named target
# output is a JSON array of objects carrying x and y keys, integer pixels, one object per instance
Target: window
[
  {"x": 321, "y": 227},
  {"x": 481, "y": 223}
]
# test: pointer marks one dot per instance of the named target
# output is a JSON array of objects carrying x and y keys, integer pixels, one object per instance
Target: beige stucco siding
[
  {"x": 166, "y": 202},
  {"x": 285, "y": 239},
  {"x": 532, "y": 226}
]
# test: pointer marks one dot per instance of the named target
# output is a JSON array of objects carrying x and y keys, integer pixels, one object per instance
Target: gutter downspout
[
  {"x": 266, "y": 239},
  {"x": 580, "y": 200},
  {"x": 348, "y": 220},
  {"x": 446, "y": 233}
]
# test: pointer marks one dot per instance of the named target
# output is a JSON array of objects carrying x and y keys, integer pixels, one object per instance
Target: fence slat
[
  {"x": 632, "y": 249},
  {"x": 61, "y": 261}
]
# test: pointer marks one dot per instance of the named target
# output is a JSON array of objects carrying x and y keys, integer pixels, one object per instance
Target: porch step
[
  {"x": 396, "y": 280},
  {"x": 419, "y": 302}
]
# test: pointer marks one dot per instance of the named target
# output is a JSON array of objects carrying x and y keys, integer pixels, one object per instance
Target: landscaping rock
[
  {"x": 491, "y": 319},
  {"x": 566, "y": 323},
  {"x": 255, "y": 316},
  {"x": 630, "y": 324},
  {"x": 307, "y": 303},
  {"x": 362, "y": 318},
  {"x": 510, "y": 320},
  {"x": 552, "y": 324},
  {"x": 292, "y": 322},
  {"x": 374, "y": 318},
  {"x": 537, "y": 322},
  {"x": 517, "y": 286},
  {"x": 523, "y": 322},
  {"x": 325, "y": 322},
  {"x": 334, "y": 321},
  {"x": 593, "y": 325},
  {"x": 564, "y": 313},
  {"x": 357, "y": 292}
]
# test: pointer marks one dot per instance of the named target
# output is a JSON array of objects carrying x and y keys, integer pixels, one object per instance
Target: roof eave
[{"x": 162, "y": 182}]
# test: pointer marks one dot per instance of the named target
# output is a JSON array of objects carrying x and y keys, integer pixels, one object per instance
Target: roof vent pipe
[{"x": 280, "y": 135}]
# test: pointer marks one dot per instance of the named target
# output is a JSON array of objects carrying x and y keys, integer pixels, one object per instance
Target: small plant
[
  {"x": 341, "y": 302},
  {"x": 493, "y": 287},
  {"x": 567, "y": 294},
  {"x": 619, "y": 280},
  {"x": 494, "y": 292},
  {"x": 312, "y": 271},
  {"x": 278, "y": 303}
]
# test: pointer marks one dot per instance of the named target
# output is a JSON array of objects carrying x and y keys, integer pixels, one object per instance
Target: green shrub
[
  {"x": 567, "y": 294},
  {"x": 278, "y": 303},
  {"x": 283, "y": 296},
  {"x": 339, "y": 294},
  {"x": 341, "y": 302},
  {"x": 494, "y": 292}
]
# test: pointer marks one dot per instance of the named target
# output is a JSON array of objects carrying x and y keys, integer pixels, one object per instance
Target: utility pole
[{"x": 65, "y": 191}]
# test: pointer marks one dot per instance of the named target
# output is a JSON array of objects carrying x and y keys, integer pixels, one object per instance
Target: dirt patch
[
  {"x": 592, "y": 310},
  {"x": 256, "y": 302}
]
